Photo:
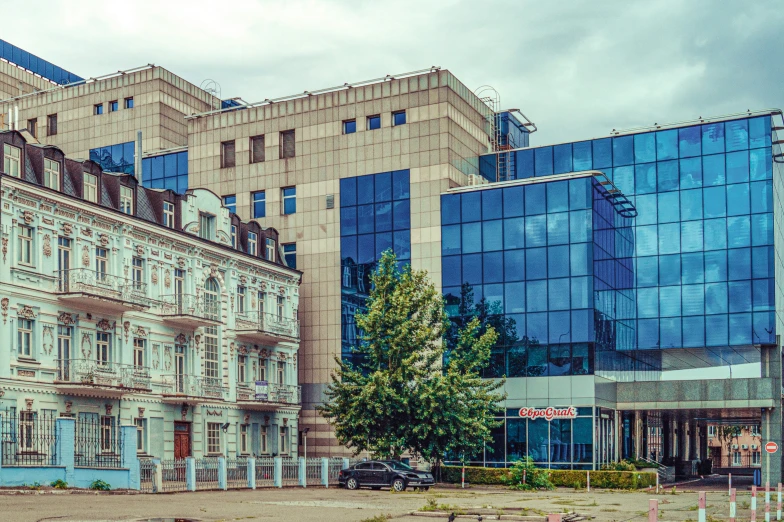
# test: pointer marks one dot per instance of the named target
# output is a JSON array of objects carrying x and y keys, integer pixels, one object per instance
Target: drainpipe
[{"x": 137, "y": 163}]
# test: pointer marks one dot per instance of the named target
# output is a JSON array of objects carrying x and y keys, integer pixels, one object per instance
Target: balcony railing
[
  {"x": 193, "y": 386},
  {"x": 88, "y": 372},
  {"x": 277, "y": 393},
  {"x": 189, "y": 306},
  {"x": 270, "y": 325},
  {"x": 102, "y": 285}
]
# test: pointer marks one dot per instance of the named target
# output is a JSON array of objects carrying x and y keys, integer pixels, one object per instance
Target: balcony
[
  {"x": 100, "y": 292},
  {"x": 266, "y": 328},
  {"x": 89, "y": 377},
  {"x": 189, "y": 311},
  {"x": 277, "y": 395},
  {"x": 190, "y": 389}
]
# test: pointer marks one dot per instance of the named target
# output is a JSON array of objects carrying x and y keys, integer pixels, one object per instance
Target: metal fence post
[
  {"x": 222, "y": 482},
  {"x": 190, "y": 474},
  {"x": 778, "y": 502},
  {"x": 277, "y": 473},
  {"x": 701, "y": 507},
  {"x": 325, "y": 472},
  {"x": 157, "y": 476},
  {"x": 130, "y": 457},
  {"x": 65, "y": 434},
  {"x": 303, "y": 472},
  {"x": 733, "y": 506},
  {"x": 252, "y": 473}
]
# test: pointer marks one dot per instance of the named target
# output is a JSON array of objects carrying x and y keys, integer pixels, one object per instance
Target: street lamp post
[{"x": 305, "y": 441}]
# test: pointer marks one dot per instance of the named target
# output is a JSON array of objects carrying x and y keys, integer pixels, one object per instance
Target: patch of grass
[
  {"x": 378, "y": 518},
  {"x": 693, "y": 508}
]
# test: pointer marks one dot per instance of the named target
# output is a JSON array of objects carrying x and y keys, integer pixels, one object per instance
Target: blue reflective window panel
[
  {"x": 514, "y": 233},
  {"x": 648, "y": 333},
  {"x": 230, "y": 202},
  {"x": 646, "y": 205},
  {"x": 400, "y": 185},
  {"x": 543, "y": 161},
  {"x": 580, "y": 261},
  {"x": 582, "y": 330},
  {"x": 691, "y": 236},
  {"x": 156, "y": 184},
  {"x": 536, "y": 300},
  {"x": 738, "y": 231},
  {"x": 348, "y": 248},
  {"x": 580, "y": 194},
  {"x": 580, "y": 225},
  {"x": 645, "y": 178},
  {"x": 558, "y": 261},
  {"x": 535, "y": 199},
  {"x": 451, "y": 271},
  {"x": 762, "y": 229},
  {"x": 535, "y": 231},
  {"x": 491, "y": 204},
  {"x": 647, "y": 271},
  {"x": 182, "y": 184},
  {"x": 350, "y": 127},
  {"x": 691, "y": 204},
  {"x": 668, "y": 207},
  {"x": 366, "y": 246},
  {"x": 383, "y": 243},
  {"x": 602, "y": 153},
  {"x": 691, "y": 173},
  {"x": 581, "y": 292},
  {"x": 492, "y": 235},
  {"x": 289, "y": 200},
  {"x": 671, "y": 333},
  {"x": 623, "y": 151},
  {"x": 383, "y": 213},
  {"x": 693, "y": 331},
  {"x": 536, "y": 329},
  {"x": 170, "y": 183},
  {"x": 374, "y": 122},
  {"x": 740, "y": 329},
  {"x": 536, "y": 263},
  {"x": 472, "y": 238},
  {"x": 450, "y": 209},
  {"x": 760, "y": 165},
  {"x": 644, "y": 147},
  {"x": 557, "y": 196},
  {"x": 716, "y": 330},
  {"x": 493, "y": 267},
  {"x": 669, "y": 270},
  {"x": 514, "y": 300},
  {"x": 259, "y": 203},
  {"x": 623, "y": 177},
  {"x": 648, "y": 302},
  {"x": 737, "y": 135},
  {"x": 128, "y": 154},
  {"x": 693, "y": 299},
  {"x": 670, "y": 301},
  {"x": 450, "y": 239},
  {"x": 495, "y": 297},
  {"x": 761, "y": 196},
  {"x": 471, "y": 206},
  {"x": 763, "y": 295},
  {"x": 513, "y": 201},
  {"x": 667, "y": 145},
  {"x": 558, "y": 294},
  {"x": 383, "y": 187},
  {"x": 713, "y": 138},
  {"x": 669, "y": 238},
  {"x": 689, "y": 139},
  {"x": 182, "y": 163},
  {"x": 399, "y": 118},
  {"x": 559, "y": 334},
  {"x": 647, "y": 241},
  {"x": 514, "y": 265},
  {"x": 759, "y": 132},
  {"x": 716, "y": 298},
  {"x": 582, "y": 157},
  {"x": 472, "y": 269},
  {"x": 562, "y": 158},
  {"x": 762, "y": 262},
  {"x": 764, "y": 325},
  {"x": 557, "y": 228},
  {"x": 402, "y": 246},
  {"x": 525, "y": 164},
  {"x": 715, "y": 266},
  {"x": 738, "y": 199},
  {"x": 715, "y": 203},
  {"x": 401, "y": 214},
  {"x": 714, "y": 170},
  {"x": 114, "y": 106},
  {"x": 740, "y": 296},
  {"x": 348, "y": 192},
  {"x": 157, "y": 168},
  {"x": 739, "y": 264},
  {"x": 365, "y": 219},
  {"x": 692, "y": 268},
  {"x": 737, "y": 167},
  {"x": 667, "y": 175},
  {"x": 365, "y": 190}
]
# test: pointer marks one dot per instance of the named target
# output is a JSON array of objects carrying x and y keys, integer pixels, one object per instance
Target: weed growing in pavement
[{"x": 378, "y": 518}]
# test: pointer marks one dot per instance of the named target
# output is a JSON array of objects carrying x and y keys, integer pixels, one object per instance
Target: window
[
  {"x": 114, "y": 106},
  {"x": 234, "y": 236},
  {"x": 242, "y": 364},
  {"x": 252, "y": 243},
  {"x": 101, "y": 263},
  {"x": 244, "y": 439},
  {"x": 179, "y": 281},
  {"x": 98, "y": 109},
  {"x": 32, "y": 127},
  {"x": 138, "y": 272},
  {"x": 213, "y": 438},
  {"x": 755, "y": 458},
  {"x": 25, "y": 337},
  {"x": 90, "y": 188},
  {"x": 26, "y": 430},
  {"x": 129, "y": 103},
  {"x": 52, "y": 174},
  {"x": 754, "y": 430},
  {"x": 126, "y": 199},
  {"x": 349, "y": 126},
  {"x": 711, "y": 431},
  {"x": 270, "y": 249},
  {"x": 25, "y": 245},
  {"x": 107, "y": 434},
  {"x": 64, "y": 339},
  {"x": 103, "y": 348},
  {"x": 63, "y": 260},
  {"x": 263, "y": 439},
  {"x": 230, "y": 202},
  {"x": 736, "y": 458},
  {"x": 399, "y": 118},
  {"x": 11, "y": 160},
  {"x": 211, "y": 362},
  {"x": 284, "y": 440},
  {"x": 259, "y": 204},
  {"x": 290, "y": 254},
  {"x": 139, "y": 435},
  {"x": 281, "y": 372},
  {"x": 287, "y": 146},
  {"x": 262, "y": 370},
  {"x": 227, "y": 154},
  {"x": 138, "y": 353},
  {"x": 240, "y": 299},
  {"x": 281, "y": 306},
  {"x": 168, "y": 214},
  {"x": 257, "y": 149},
  {"x": 374, "y": 122},
  {"x": 289, "y": 200},
  {"x": 206, "y": 226},
  {"x": 262, "y": 298}
]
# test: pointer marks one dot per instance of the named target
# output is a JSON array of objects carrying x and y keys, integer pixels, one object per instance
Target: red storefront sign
[{"x": 548, "y": 413}]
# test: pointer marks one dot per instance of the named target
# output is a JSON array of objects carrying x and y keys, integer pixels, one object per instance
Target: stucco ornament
[
  {"x": 139, "y": 250},
  {"x": 48, "y": 338},
  {"x": 181, "y": 339},
  {"x": 47, "y": 245},
  {"x": 167, "y": 278},
  {"x": 27, "y": 216},
  {"x": 127, "y": 328},
  {"x": 65, "y": 318},
  {"x": 154, "y": 275},
  {"x": 85, "y": 256},
  {"x": 4, "y": 307},
  {"x": 104, "y": 325},
  {"x": 26, "y": 312},
  {"x": 140, "y": 332},
  {"x": 87, "y": 345},
  {"x": 67, "y": 229},
  {"x": 5, "y": 247},
  {"x": 103, "y": 239}
]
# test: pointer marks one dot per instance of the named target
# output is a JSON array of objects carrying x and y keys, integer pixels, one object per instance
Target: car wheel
[
  {"x": 352, "y": 484},
  {"x": 399, "y": 485}
]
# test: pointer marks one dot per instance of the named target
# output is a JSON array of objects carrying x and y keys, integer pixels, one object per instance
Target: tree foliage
[{"x": 403, "y": 397}]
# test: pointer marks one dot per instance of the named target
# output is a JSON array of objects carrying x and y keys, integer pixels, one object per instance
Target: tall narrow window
[
  {"x": 51, "y": 124},
  {"x": 289, "y": 200},
  {"x": 259, "y": 204},
  {"x": 263, "y": 445},
  {"x": 138, "y": 353},
  {"x": 126, "y": 199},
  {"x": 281, "y": 306},
  {"x": 64, "y": 340},
  {"x": 213, "y": 438},
  {"x": 281, "y": 372},
  {"x": 168, "y": 214},
  {"x": 32, "y": 127},
  {"x": 257, "y": 149},
  {"x": 101, "y": 263},
  {"x": 227, "y": 154},
  {"x": 290, "y": 253},
  {"x": 25, "y": 245},
  {"x": 269, "y": 253},
  {"x": 211, "y": 354},
  {"x": 27, "y": 431},
  {"x": 52, "y": 174},
  {"x": 11, "y": 160},
  {"x": 140, "y": 435},
  {"x": 230, "y": 202},
  {"x": 129, "y": 103},
  {"x": 25, "y": 334},
  {"x": 98, "y": 109},
  {"x": 90, "y": 188},
  {"x": 244, "y": 439},
  {"x": 262, "y": 298},
  {"x": 114, "y": 106},
  {"x": 240, "y": 299},
  {"x": 253, "y": 240},
  {"x": 287, "y": 144},
  {"x": 138, "y": 272},
  {"x": 206, "y": 226},
  {"x": 107, "y": 434},
  {"x": 284, "y": 440},
  {"x": 63, "y": 261},
  {"x": 103, "y": 348},
  {"x": 179, "y": 282},
  {"x": 262, "y": 370},
  {"x": 234, "y": 236},
  {"x": 242, "y": 363}
]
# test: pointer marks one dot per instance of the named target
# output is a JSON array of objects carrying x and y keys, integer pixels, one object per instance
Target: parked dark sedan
[{"x": 376, "y": 474}]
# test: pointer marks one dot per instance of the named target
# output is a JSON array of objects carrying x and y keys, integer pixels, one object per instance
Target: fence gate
[
  {"x": 290, "y": 472},
  {"x": 173, "y": 475},
  {"x": 265, "y": 469},
  {"x": 237, "y": 472}
]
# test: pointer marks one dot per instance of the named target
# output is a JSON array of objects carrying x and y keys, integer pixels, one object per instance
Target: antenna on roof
[{"x": 211, "y": 86}]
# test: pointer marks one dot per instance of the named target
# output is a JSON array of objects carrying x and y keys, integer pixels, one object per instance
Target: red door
[{"x": 182, "y": 440}]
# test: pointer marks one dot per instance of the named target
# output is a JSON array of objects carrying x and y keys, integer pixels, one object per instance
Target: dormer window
[
  {"x": 234, "y": 236},
  {"x": 90, "y": 187},
  {"x": 126, "y": 200},
  {"x": 270, "y": 244},
  {"x": 206, "y": 226},
  {"x": 253, "y": 240},
  {"x": 11, "y": 160},
  {"x": 51, "y": 174},
  {"x": 168, "y": 214}
]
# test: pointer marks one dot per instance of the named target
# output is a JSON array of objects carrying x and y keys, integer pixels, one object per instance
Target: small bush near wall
[{"x": 559, "y": 478}]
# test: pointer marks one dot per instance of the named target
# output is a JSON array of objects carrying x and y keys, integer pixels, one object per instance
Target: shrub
[
  {"x": 59, "y": 484},
  {"x": 524, "y": 475},
  {"x": 100, "y": 485},
  {"x": 624, "y": 465},
  {"x": 559, "y": 478},
  {"x": 474, "y": 475}
]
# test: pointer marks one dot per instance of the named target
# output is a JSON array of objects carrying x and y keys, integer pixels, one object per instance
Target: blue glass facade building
[
  {"x": 37, "y": 65},
  {"x": 115, "y": 158},
  {"x": 166, "y": 171}
]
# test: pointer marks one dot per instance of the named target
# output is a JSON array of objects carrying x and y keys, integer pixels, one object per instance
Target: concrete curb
[{"x": 444, "y": 514}]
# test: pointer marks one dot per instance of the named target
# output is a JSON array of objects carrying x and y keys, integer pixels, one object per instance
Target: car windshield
[{"x": 399, "y": 465}]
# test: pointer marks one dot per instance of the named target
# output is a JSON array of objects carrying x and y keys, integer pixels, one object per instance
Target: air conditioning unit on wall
[
  {"x": 744, "y": 446},
  {"x": 753, "y": 446},
  {"x": 734, "y": 446}
]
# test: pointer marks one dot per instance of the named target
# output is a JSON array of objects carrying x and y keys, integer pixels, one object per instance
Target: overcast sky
[{"x": 577, "y": 69}]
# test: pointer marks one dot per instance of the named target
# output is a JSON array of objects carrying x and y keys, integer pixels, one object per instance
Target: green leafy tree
[{"x": 404, "y": 398}]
